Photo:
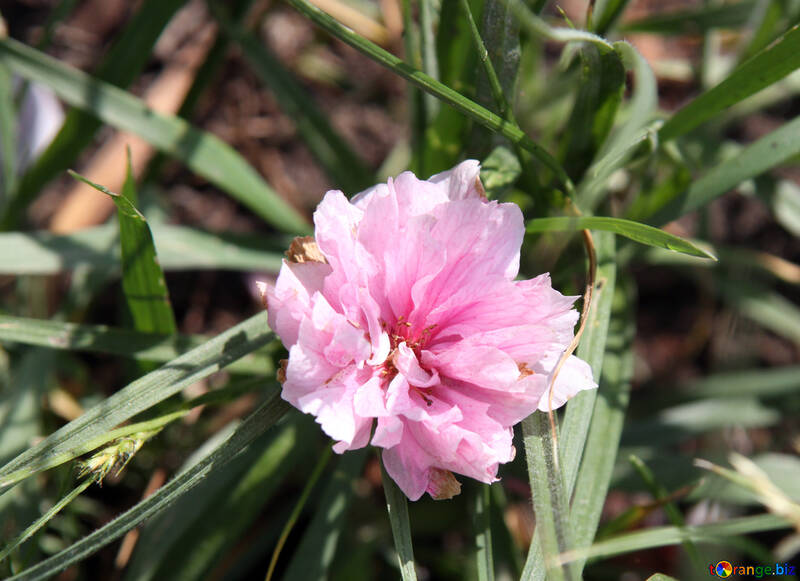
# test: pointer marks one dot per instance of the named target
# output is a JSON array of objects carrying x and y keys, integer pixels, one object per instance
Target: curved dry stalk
[{"x": 588, "y": 242}]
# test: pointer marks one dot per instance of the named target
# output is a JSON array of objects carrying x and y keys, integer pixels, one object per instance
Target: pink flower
[{"x": 406, "y": 328}]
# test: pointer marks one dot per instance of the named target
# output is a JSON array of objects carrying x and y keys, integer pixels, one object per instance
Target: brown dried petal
[{"x": 305, "y": 249}]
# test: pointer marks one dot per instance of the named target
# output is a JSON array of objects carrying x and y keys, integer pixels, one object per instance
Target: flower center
[{"x": 402, "y": 332}]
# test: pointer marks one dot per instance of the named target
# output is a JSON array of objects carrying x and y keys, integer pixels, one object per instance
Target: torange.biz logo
[{"x": 726, "y": 569}]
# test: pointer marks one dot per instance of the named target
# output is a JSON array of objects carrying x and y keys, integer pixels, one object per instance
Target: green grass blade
[
  {"x": 767, "y": 67},
  {"x": 122, "y": 65},
  {"x": 116, "y": 341},
  {"x": 606, "y": 13},
  {"x": 578, "y": 415},
  {"x": 194, "y": 554},
  {"x": 498, "y": 94},
  {"x": 550, "y": 504},
  {"x": 202, "y": 152},
  {"x": 631, "y": 134},
  {"x": 659, "y": 493},
  {"x": 605, "y": 429},
  {"x": 483, "y": 533},
  {"x": 602, "y": 82},
  {"x": 311, "y": 482},
  {"x": 45, "y": 518},
  {"x": 696, "y": 21},
  {"x": 478, "y": 113},
  {"x": 591, "y": 349},
  {"x": 397, "y": 507},
  {"x": 334, "y": 154},
  {"x": 756, "y": 382},
  {"x": 253, "y": 426},
  {"x": 641, "y": 233},
  {"x": 138, "y": 396},
  {"x": 427, "y": 46},
  {"x": 768, "y": 308},
  {"x": 8, "y": 137},
  {"x": 717, "y": 534},
  {"x": 142, "y": 278},
  {"x": 317, "y": 548},
  {"x": 179, "y": 248}
]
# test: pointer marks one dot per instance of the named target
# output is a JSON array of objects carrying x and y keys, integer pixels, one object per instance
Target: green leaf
[
  {"x": 641, "y": 233},
  {"x": 678, "y": 423},
  {"x": 45, "y": 518},
  {"x": 769, "y": 309},
  {"x": 70, "y": 440},
  {"x": 630, "y": 135},
  {"x": 253, "y": 426},
  {"x": 602, "y": 82},
  {"x": 202, "y": 152},
  {"x": 578, "y": 415},
  {"x": 550, "y": 504},
  {"x": 480, "y": 114},
  {"x": 397, "y": 507},
  {"x": 606, "y": 425},
  {"x": 696, "y": 21},
  {"x": 606, "y": 13},
  {"x": 142, "y": 278},
  {"x": 334, "y": 154},
  {"x": 214, "y": 530},
  {"x": 744, "y": 383},
  {"x": 483, "y": 533},
  {"x": 716, "y": 534},
  {"x": 317, "y": 548},
  {"x": 767, "y": 67},
  {"x": 115, "y": 341},
  {"x": 121, "y": 66},
  {"x": 499, "y": 171},
  {"x": 179, "y": 248},
  {"x": 8, "y": 137}
]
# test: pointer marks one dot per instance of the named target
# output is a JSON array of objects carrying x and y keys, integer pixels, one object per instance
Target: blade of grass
[
  {"x": 764, "y": 69},
  {"x": 397, "y": 507},
  {"x": 8, "y": 137},
  {"x": 606, "y": 13},
  {"x": 660, "y": 493},
  {"x": 483, "y": 532},
  {"x": 192, "y": 555},
  {"x": 602, "y": 82},
  {"x": 606, "y": 425},
  {"x": 202, "y": 152},
  {"x": 253, "y": 426},
  {"x": 766, "y": 307},
  {"x": 46, "y": 517},
  {"x": 498, "y": 94},
  {"x": 630, "y": 135},
  {"x": 334, "y": 154},
  {"x": 427, "y": 45},
  {"x": 696, "y": 21},
  {"x": 773, "y": 149},
  {"x": 550, "y": 505},
  {"x": 322, "y": 461},
  {"x": 138, "y": 396},
  {"x": 717, "y": 534},
  {"x": 316, "y": 550},
  {"x": 117, "y": 341},
  {"x": 756, "y": 382},
  {"x": 641, "y": 233},
  {"x": 577, "y": 418},
  {"x": 179, "y": 248},
  {"x": 480, "y": 114},
  {"x": 143, "y": 281},
  {"x": 121, "y": 66}
]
